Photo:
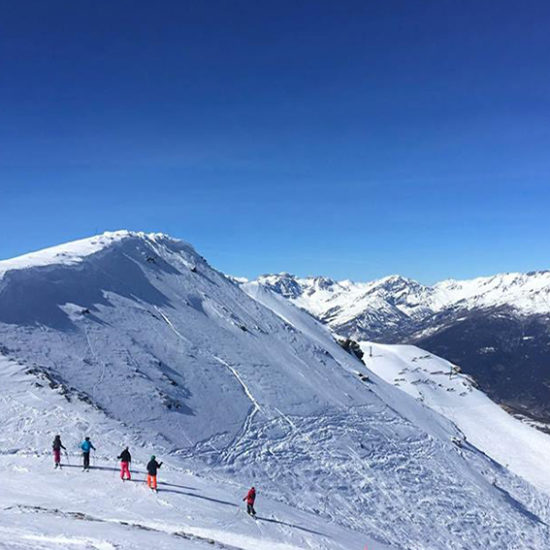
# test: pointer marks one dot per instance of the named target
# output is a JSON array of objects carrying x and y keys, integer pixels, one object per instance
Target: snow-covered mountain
[
  {"x": 134, "y": 339},
  {"x": 497, "y": 328},
  {"x": 396, "y": 305}
]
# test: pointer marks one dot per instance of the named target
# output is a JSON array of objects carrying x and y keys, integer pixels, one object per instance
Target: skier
[
  {"x": 250, "y": 498},
  {"x": 57, "y": 446},
  {"x": 125, "y": 458},
  {"x": 152, "y": 468},
  {"x": 86, "y": 446}
]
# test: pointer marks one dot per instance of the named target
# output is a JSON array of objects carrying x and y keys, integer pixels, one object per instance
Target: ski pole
[{"x": 67, "y": 456}]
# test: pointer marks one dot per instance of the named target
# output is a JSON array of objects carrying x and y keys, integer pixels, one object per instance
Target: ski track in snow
[
  {"x": 241, "y": 382},
  {"x": 171, "y": 325},
  {"x": 98, "y": 360}
]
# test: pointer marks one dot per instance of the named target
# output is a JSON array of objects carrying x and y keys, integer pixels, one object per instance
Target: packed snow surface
[
  {"x": 134, "y": 339},
  {"x": 439, "y": 385},
  {"x": 69, "y": 508}
]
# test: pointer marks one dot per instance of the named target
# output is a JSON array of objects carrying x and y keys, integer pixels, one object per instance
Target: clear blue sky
[{"x": 351, "y": 139}]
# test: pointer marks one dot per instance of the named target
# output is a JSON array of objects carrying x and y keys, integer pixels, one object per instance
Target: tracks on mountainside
[
  {"x": 171, "y": 325},
  {"x": 256, "y": 407},
  {"x": 251, "y": 414},
  {"x": 96, "y": 357},
  {"x": 241, "y": 382}
]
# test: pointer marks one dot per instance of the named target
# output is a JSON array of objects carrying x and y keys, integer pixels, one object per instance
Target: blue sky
[{"x": 351, "y": 139}]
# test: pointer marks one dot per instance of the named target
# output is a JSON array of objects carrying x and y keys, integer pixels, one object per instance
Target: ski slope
[
  {"x": 134, "y": 339},
  {"x": 43, "y": 508},
  {"x": 438, "y": 385}
]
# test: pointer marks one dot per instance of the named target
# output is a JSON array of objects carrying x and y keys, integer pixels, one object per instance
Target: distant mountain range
[{"x": 496, "y": 328}]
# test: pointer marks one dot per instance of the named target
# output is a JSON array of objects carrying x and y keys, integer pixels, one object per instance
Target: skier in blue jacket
[{"x": 86, "y": 447}]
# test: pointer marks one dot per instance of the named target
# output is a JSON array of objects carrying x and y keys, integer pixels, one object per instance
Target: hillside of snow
[
  {"x": 134, "y": 339},
  {"x": 68, "y": 509},
  {"x": 496, "y": 328},
  {"x": 439, "y": 385}
]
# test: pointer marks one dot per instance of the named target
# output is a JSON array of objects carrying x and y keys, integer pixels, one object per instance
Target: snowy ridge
[
  {"x": 141, "y": 342},
  {"x": 440, "y": 385},
  {"x": 76, "y": 251},
  {"x": 396, "y": 299}
]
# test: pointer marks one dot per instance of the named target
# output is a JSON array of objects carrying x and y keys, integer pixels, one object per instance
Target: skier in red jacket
[{"x": 250, "y": 498}]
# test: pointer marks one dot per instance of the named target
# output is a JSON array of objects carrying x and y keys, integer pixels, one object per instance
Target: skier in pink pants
[
  {"x": 57, "y": 446},
  {"x": 125, "y": 459}
]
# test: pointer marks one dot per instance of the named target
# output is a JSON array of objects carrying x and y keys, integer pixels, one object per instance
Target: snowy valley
[{"x": 134, "y": 339}]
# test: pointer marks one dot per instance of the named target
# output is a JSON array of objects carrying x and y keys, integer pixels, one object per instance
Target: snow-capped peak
[
  {"x": 75, "y": 252},
  {"x": 402, "y": 303}
]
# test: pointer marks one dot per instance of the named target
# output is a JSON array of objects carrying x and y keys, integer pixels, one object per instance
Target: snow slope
[
  {"x": 436, "y": 383},
  {"x": 135, "y": 339},
  {"x": 481, "y": 423},
  {"x": 439, "y": 385},
  {"x": 43, "y": 508}
]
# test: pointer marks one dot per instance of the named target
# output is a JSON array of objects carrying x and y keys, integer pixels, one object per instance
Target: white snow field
[
  {"x": 440, "y": 386},
  {"x": 134, "y": 339},
  {"x": 43, "y": 508}
]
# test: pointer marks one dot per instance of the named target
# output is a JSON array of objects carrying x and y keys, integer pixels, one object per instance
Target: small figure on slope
[
  {"x": 125, "y": 458},
  {"x": 250, "y": 498},
  {"x": 86, "y": 447},
  {"x": 152, "y": 467},
  {"x": 57, "y": 446}
]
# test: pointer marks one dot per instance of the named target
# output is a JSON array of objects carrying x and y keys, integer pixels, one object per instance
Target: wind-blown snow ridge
[{"x": 74, "y": 252}]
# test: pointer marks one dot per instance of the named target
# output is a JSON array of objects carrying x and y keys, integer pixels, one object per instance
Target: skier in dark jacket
[
  {"x": 125, "y": 458},
  {"x": 86, "y": 447},
  {"x": 57, "y": 446},
  {"x": 152, "y": 467},
  {"x": 250, "y": 498}
]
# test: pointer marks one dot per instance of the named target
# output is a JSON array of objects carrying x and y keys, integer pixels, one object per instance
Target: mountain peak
[
  {"x": 393, "y": 280},
  {"x": 75, "y": 252},
  {"x": 322, "y": 283}
]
